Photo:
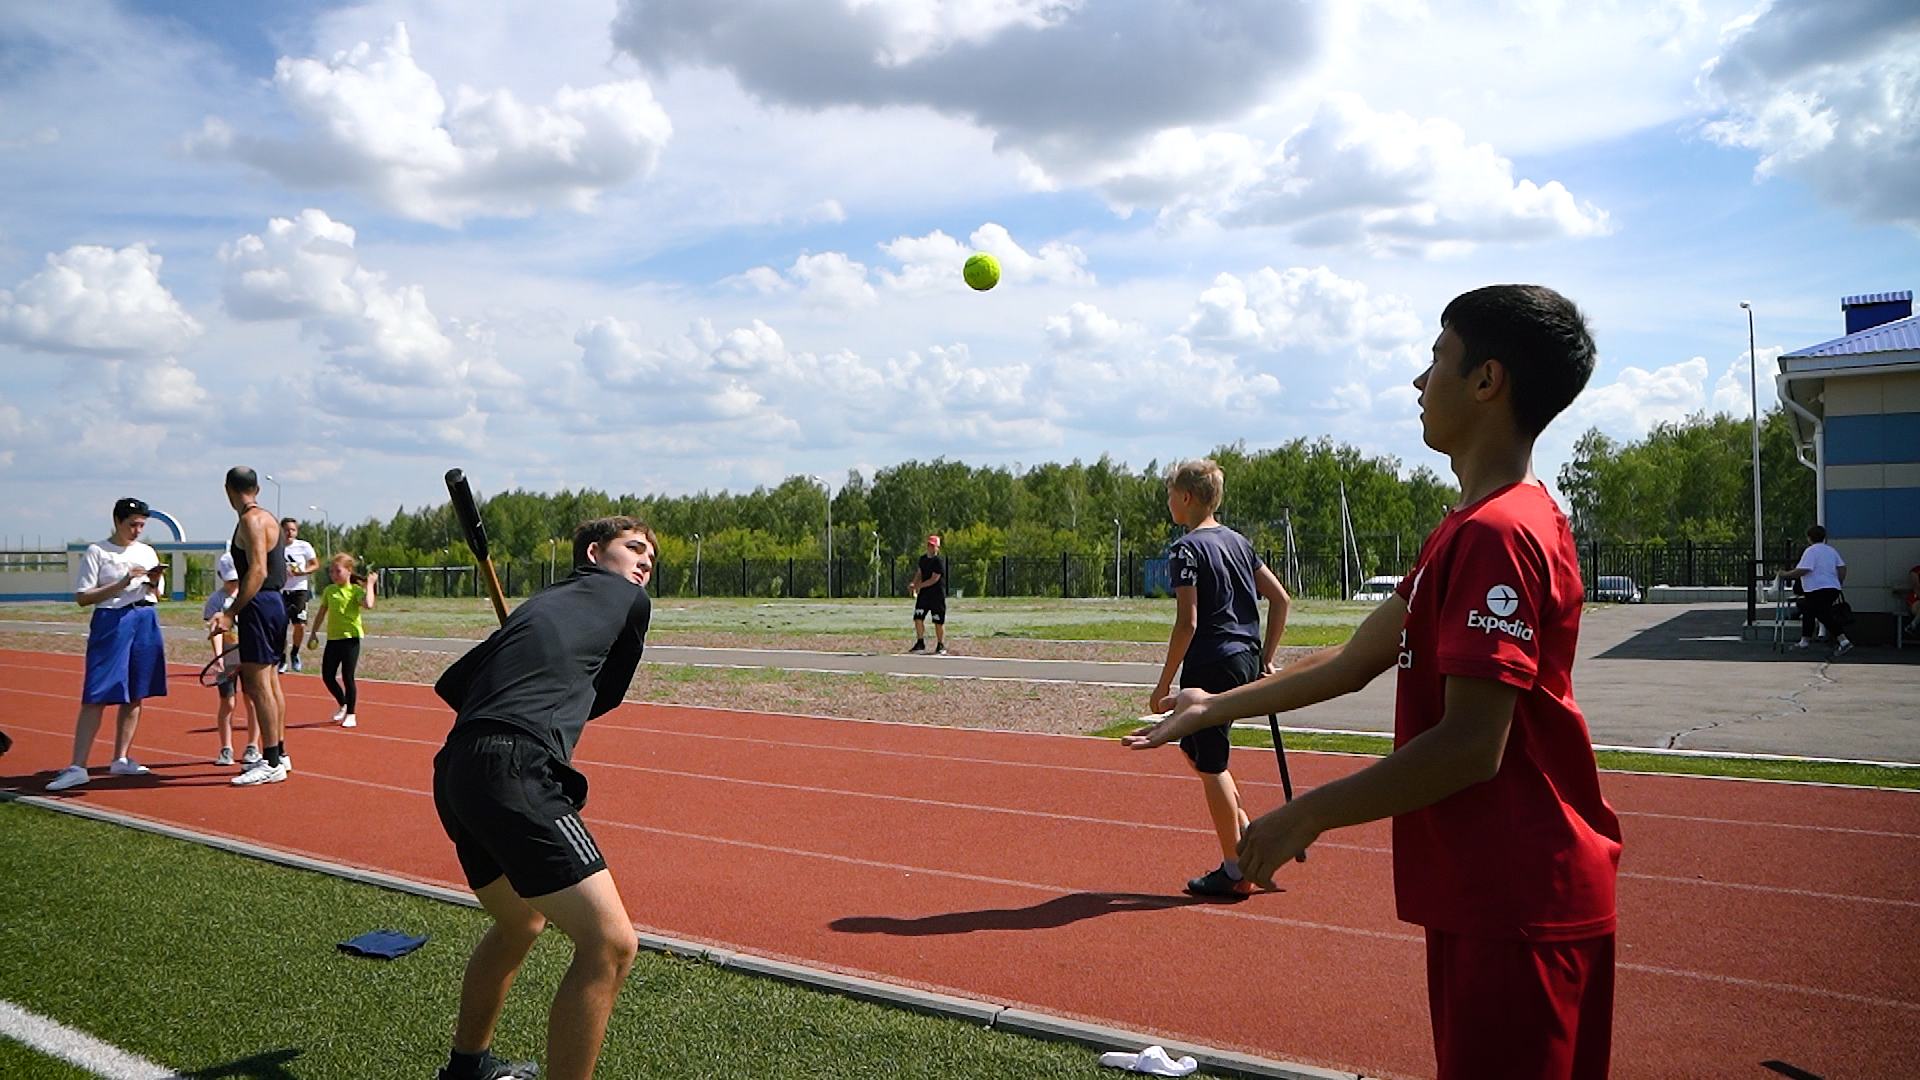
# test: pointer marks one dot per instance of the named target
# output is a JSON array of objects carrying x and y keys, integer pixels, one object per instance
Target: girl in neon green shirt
[{"x": 341, "y": 603}]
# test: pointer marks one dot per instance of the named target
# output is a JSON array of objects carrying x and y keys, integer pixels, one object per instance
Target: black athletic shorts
[
  {"x": 1208, "y": 747},
  {"x": 296, "y": 601},
  {"x": 263, "y": 629},
  {"x": 934, "y": 606},
  {"x": 512, "y": 808}
]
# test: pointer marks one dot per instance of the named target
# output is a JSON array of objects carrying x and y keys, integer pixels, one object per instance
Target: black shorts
[
  {"x": 512, "y": 808},
  {"x": 296, "y": 601},
  {"x": 934, "y": 606},
  {"x": 263, "y": 629},
  {"x": 1208, "y": 747}
]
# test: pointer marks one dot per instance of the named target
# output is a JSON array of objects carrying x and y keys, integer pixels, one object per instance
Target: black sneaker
[
  {"x": 919, "y": 646},
  {"x": 493, "y": 1068},
  {"x": 1215, "y": 882},
  {"x": 940, "y": 649}
]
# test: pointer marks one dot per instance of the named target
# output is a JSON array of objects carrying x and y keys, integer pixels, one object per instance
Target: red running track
[{"x": 1758, "y": 921}]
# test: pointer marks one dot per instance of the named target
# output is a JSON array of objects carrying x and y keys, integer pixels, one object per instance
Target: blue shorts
[
  {"x": 263, "y": 629},
  {"x": 126, "y": 660}
]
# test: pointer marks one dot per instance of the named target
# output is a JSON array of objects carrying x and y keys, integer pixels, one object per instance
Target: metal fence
[{"x": 1686, "y": 563}]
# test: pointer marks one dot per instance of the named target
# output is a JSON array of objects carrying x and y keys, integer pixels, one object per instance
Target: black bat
[
  {"x": 1286, "y": 778},
  {"x": 475, "y": 531}
]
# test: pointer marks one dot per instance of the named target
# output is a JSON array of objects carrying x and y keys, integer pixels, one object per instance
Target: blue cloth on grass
[{"x": 383, "y": 944}]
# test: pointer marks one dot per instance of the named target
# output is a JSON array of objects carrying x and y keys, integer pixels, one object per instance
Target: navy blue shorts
[
  {"x": 1208, "y": 748},
  {"x": 126, "y": 659},
  {"x": 263, "y": 629}
]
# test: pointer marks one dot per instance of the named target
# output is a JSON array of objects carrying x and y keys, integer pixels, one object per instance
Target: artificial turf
[{"x": 223, "y": 966}]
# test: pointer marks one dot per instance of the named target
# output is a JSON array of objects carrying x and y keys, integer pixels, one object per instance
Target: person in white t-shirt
[
  {"x": 226, "y": 585},
  {"x": 1821, "y": 573},
  {"x": 302, "y": 560},
  {"x": 120, "y": 578}
]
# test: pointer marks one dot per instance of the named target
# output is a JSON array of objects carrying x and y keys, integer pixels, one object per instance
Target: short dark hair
[
  {"x": 1538, "y": 335},
  {"x": 289, "y": 521},
  {"x": 1817, "y": 533},
  {"x": 601, "y": 530},
  {"x": 242, "y": 480},
  {"x": 130, "y": 507}
]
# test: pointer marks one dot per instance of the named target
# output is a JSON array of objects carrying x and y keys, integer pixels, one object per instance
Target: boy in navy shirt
[
  {"x": 1504, "y": 849},
  {"x": 1215, "y": 645}
]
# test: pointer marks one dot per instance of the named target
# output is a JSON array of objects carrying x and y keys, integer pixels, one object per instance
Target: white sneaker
[
  {"x": 1843, "y": 647},
  {"x": 70, "y": 777},
  {"x": 262, "y": 774},
  {"x": 285, "y": 667},
  {"x": 286, "y": 761},
  {"x": 226, "y": 756},
  {"x": 126, "y": 766},
  {"x": 340, "y": 714},
  {"x": 1801, "y": 644},
  {"x": 296, "y": 661},
  {"x": 251, "y": 756},
  {"x": 348, "y": 721}
]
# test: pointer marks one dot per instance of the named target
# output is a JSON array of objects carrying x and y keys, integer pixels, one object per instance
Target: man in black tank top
[{"x": 261, "y": 618}]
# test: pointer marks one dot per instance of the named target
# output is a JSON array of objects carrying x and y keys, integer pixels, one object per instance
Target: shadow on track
[{"x": 1047, "y": 915}]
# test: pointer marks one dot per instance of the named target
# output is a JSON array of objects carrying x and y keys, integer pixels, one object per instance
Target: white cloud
[
  {"x": 1353, "y": 177},
  {"x": 1312, "y": 308},
  {"x": 934, "y": 262},
  {"x": 387, "y": 354},
  {"x": 96, "y": 301},
  {"x": 1085, "y": 327},
  {"x": 1828, "y": 93},
  {"x": 1637, "y": 399},
  {"x": 1054, "y": 78},
  {"x": 1732, "y": 393},
  {"x": 374, "y": 122}
]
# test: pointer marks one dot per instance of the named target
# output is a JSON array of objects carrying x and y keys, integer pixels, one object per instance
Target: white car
[{"x": 1376, "y": 589}]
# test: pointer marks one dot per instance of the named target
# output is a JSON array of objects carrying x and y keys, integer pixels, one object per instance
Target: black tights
[{"x": 342, "y": 656}]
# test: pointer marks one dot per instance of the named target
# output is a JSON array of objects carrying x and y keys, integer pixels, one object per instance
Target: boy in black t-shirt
[
  {"x": 510, "y": 799},
  {"x": 929, "y": 588},
  {"x": 1216, "y": 642}
]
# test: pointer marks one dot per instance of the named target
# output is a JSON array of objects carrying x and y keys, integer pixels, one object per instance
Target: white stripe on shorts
[{"x": 582, "y": 841}]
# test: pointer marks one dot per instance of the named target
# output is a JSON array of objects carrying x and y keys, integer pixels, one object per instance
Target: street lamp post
[
  {"x": 829, "y": 490},
  {"x": 326, "y": 528},
  {"x": 276, "y": 494},
  {"x": 1116, "y": 558},
  {"x": 697, "y": 545},
  {"x": 1753, "y": 388}
]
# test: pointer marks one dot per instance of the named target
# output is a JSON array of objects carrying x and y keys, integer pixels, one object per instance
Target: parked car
[
  {"x": 1611, "y": 589},
  {"x": 1376, "y": 589}
]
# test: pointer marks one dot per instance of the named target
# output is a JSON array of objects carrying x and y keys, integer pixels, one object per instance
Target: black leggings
[
  {"x": 342, "y": 656},
  {"x": 1818, "y": 605}
]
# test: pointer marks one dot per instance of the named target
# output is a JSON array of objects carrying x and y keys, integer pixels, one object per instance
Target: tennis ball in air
[{"x": 983, "y": 271}]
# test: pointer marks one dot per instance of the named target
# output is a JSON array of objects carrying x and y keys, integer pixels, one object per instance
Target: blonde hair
[
  {"x": 1200, "y": 478},
  {"x": 341, "y": 558}
]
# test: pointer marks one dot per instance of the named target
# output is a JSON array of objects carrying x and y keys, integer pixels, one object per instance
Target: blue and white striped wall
[{"x": 1873, "y": 481}]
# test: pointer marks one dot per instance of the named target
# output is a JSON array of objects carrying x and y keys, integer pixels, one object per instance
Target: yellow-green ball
[{"x": 983, "y": 271}]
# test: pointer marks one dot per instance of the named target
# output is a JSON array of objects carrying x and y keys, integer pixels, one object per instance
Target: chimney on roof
[{"x": 1872, "y": 309}]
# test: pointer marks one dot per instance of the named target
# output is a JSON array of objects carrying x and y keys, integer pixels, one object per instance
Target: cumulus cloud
[
  {"x": 374, "y": 122},
  {"x": 387, "y": 354},
  {"x": 1353, "y": 177},
  {"x": 1084, "y": 327},
  {"x": 95, "y": 301},
  {"x": 934, "y": 262},
  {"x": 1054, "y": 78},
  {"x": 1828, "y": 93},
  {"x": 1316, "y": 309},
  {"x": 1637, "y": 399},
  {"x": 828, "y": 280}
]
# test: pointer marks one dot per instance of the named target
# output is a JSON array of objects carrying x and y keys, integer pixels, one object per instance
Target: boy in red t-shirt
[{"x": 1503, "y": 847}]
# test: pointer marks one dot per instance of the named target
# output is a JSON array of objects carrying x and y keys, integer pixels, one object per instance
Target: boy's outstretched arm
[
  {"x": 1278, "y": 602},
  {"x": 1186, "y": 620},
  {"x": 1372, "y": 649},
  {"x": 1463, "y": 749}
]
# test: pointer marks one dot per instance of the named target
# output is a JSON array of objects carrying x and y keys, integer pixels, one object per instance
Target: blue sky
[{"x": 667, "y": 245}]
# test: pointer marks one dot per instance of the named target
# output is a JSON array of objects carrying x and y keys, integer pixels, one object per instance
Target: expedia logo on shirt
[{"x": 1503, "y": 601}]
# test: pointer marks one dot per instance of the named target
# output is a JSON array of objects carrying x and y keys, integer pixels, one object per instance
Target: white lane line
[{"x": 55, "y": 1039}]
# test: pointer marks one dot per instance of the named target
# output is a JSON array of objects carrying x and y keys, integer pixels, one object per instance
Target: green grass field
[
  {"x": 1802, "y": 771},
  {"x": 218, "y": 965}
]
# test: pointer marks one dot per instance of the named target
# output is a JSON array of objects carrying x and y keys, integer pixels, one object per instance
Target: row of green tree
[
  {"x": 981, "y": 512},
  {"x": 1690, "y": 480}
]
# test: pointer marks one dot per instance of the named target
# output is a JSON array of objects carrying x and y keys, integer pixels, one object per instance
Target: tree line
[
  {"x": 981, "y": 512},
  {"x": 1690, "y": 480}
]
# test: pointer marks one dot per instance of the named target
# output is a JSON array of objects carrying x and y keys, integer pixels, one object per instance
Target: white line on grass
[{"x": 55, "y": 1039}]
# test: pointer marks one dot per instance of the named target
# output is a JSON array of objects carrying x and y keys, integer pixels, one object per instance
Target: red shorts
[{"x": 1520, "y": 1009}]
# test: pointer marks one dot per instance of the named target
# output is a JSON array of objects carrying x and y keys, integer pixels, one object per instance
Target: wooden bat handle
[{"x": 494, "y": 592}]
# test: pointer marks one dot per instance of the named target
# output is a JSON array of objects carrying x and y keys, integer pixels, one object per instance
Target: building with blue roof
[{"x": 1855, "y": 406}]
